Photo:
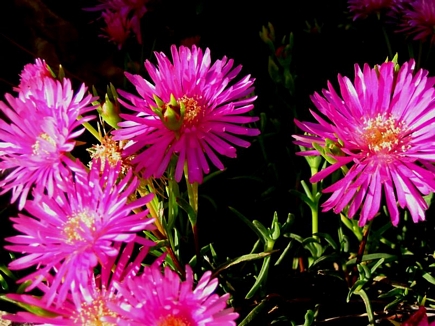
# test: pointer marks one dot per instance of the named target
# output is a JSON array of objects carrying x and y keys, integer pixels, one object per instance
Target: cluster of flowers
[
  {"x": 82, "y": 224},
  {"x": 415, "y": 17},
  {"x": 121, "y": 17}
]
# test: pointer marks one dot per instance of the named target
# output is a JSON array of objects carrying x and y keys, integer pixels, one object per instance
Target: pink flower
[
  {"x": 117, "y": 28},
  {"x": 419, "y": 318},
  {"x": 70, "y": 233},
  {"x": 364, "y": 8},
  {"x": 382, "y": 124},
  {"x": 418, "y": 19},
  {"x": 38, "y": 136},
  {"x": 88, "y": 304},
  {"x": 154, "y": 298},
  {"x": 33, "y": 76},
  {"x": 193, "y": 111},
  {"x": 121, "y": 16}
]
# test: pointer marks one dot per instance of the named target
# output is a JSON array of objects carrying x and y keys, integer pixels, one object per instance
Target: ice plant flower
[
  {"x": 39, "y": 135},
  {"x": 156, "y": 298},
  {"x": 382, "y": 124},
  {"x": 71, "y": 232},
  {"x": 419, "y": 318},
  {"x": 364, "y": 8},
  {"x": 88, "y": 304},
  {"x": 121, "y": 17},
  {"x": 33, "y": 76},
  {"x": 191, "y": 111},
  {"x": 117, "y": 28},
  {"x": 418, "y": 19}
]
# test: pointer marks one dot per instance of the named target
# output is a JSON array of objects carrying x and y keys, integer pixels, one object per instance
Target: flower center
[
  {"x": 384, "y": 134},
  {"x": 172, "y": 320},
  {"x": 109, "y": 150},
  {"x": 193, "y": 112},
  {"x": 77, "y": 225},
  {"x": 90, "y": 313},
  {"x": 42, "y": 144}
]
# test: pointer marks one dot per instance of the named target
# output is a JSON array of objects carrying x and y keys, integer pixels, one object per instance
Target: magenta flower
[
  {"x": 121, "y": 16},
  {"x": 117, "y": 28},
  {"x": 88, "y": 304},
  {"x": 419, "y": 318},
  {"x": 382, "y": 124},
  {"x": 364, "y": 8},
  {"x": 418, "y": 19},
  {"x": 33, "y": 76},
  {"x": 154, "y": 298},
  {"x": 192, "y": 111},
  {"x": 70, "y": 233},
  {"x": 39, "y": 135}
]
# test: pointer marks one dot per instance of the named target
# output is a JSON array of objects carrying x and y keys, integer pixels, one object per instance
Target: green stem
[
  {"x": 192, "y": 192},
  {"x": 387, "y": 41},
  {"x": 315, "y": 220},
  {"x": 355, "y": 229},
  {"x": 91, "y": 129},
  {"x": 315, "y": 206}
]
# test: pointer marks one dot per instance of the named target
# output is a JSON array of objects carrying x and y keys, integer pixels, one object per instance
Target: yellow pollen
[
  {"x": 109, "y": 150},
  {"x": 90, "y": 313},
  {"x": 36, "y": 147},
  {"x": 383, "y": 134},
  {"x": 77, "y": 225},
  {"x": 194, "y": 111},
  {"x": 171, "y": 320}
]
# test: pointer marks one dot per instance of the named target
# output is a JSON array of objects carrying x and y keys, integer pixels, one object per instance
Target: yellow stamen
[
  {"x": 36, "y": 147},
  {"x": 194, "y": 111},
  {"x": 384, "y": 134},
  {"x": 91, "y": 313},
  {"x": 76, "y": 224},
  {"x": 109, "y": 150}
]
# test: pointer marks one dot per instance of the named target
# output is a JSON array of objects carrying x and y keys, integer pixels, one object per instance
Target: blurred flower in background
[
  {"x": 121, "y": 18},
  {"x": 363, "y": 8}
]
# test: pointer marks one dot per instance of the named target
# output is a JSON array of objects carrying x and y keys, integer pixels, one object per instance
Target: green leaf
[
  {"x": 4, "y": 285},
  {"x": 242, "y": 259},
  {"x": 356, "y": 288},
  {"x": 429, "y": 278},
  {"x": 260, "y": 278},
  {"x": 332, "y": 258},
  {"x": 376, "y": 256},
  {"x": 313, "y": 245},
  {"x": 295, "y": 236},
  {"x": 253, "y": 313},
  {"x": 284, "y": 253},
  {"x": 262, "y": 230},
  {"x": 188, "y": 209},
  {"x": 375, "y": 266},
  {"x": 247, "y": 222},
  {"x": 30, "y": 308},
  {"x": 309, "y": 318},
  {"x": 328, "y": 239},
  {"x": 7, "y": 272},
  {"x": 392, "y": 293}
]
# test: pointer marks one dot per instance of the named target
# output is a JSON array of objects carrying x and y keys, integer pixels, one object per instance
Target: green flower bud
[
  {"x": 110, "y": 112},
  {"x": 171, "y": 114}
]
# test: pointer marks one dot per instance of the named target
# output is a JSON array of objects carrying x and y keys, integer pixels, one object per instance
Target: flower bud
[{"x": 171, "y": 114}]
